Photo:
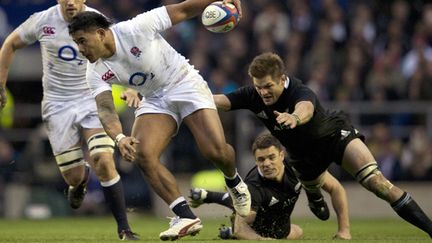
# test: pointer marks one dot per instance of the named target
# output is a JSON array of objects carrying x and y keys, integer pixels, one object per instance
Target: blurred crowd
[{"x": 345, "y": 50}]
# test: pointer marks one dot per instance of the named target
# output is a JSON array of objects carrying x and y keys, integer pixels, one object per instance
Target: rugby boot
[
  {"x": 241, "y": 199},
  {"x": 128, "y": 235},
  {"x": 319, "y": 208},
  {"x": 180, "y": 227}
]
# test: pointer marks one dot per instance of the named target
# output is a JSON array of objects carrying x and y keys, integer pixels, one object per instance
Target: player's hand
[
  {"x": 285, "y": 119},
  {"x": 127, "y": 148},
  {"x": 3, "y": 98},
  {"x": 237, "y": 4},
  {"x": 131, "y": 97}
]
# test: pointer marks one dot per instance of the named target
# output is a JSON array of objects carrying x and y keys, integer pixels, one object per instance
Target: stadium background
[{"x": 372, "y": 59}]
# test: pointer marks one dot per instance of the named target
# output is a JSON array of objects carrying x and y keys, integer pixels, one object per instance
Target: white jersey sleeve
[
  {"x": 29, "y": 30},
  {"x": 150, "y": 23},
  {"x": 99, "y": 78}
]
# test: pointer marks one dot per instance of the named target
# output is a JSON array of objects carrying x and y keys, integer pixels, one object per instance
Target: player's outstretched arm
[
  {"x": 12, "y": 43},
  {"x": 302, "y": 113},
  {"x": 222, "y": 102},
  {"x": 242, "y": 229},
  {"x": 190, "y": 8},
  {"x": 111, "y": 123},
  {"x": 340, "y": 204}
]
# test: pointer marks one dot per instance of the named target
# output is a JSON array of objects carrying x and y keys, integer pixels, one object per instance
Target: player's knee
[
  {"x": 103, "y": 166},
  {"x": 100, "y": 143},
  {"x": 215, "y": 152},
  {"x": 70, "y": 159},
  {"x": 147, "y": 161},
  {"x": 373, "y": 180},
  {"x": 73, "y": 176}
]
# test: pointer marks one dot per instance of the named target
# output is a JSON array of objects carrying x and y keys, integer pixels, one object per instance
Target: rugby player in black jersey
[
  {"x": 274, "y": 191},
  {"x": 315, "y": 137}
]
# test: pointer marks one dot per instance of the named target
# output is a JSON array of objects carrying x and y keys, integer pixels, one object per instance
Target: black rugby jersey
[
  {"x": 302, "y": 140},
  {"x": 273, "y": 202}
]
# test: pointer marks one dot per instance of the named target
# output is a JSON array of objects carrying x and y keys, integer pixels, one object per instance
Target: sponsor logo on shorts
[{"x": 345, "y": 134}]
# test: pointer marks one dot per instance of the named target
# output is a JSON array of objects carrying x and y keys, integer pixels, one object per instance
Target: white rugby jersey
[
  {"x": 64, "y": 68},
  {"x": 143, "y": 60}
]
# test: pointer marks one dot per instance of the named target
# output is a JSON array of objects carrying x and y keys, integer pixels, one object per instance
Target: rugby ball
[{"x": 219, "y": 18}]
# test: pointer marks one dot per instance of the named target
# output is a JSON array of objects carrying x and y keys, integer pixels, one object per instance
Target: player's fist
[{"x": 127, "y": 148}]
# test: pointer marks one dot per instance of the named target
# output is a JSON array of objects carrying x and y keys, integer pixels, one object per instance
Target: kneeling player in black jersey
[
  {"x": 315, "y": 137},
  {"x": 274, "y": 191}
]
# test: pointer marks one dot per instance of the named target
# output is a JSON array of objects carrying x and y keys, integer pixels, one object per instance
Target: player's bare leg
[
  {"x": 207, "y": 130},
  {"x": 154, "y": 131},
  {"x": 75, "y": 172},
  {"x": 101, "y": 149},
  {"x": 360, "y": 163},
  {"x": 340, "y": 204}
]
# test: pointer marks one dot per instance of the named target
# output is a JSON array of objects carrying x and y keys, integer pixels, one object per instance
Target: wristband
[
  {"x": 119, "y": 137},
  {"x": 297, "y": 118}
]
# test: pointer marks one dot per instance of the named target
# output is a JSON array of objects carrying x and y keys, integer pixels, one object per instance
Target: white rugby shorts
[
  {"x": 64, "y": 120},
  {"x": 179, "y": 100}
]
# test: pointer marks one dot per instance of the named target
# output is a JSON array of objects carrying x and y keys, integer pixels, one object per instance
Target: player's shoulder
[
  {"x": 49, "y": 16},
  {"x": 87, "y": 8},
  {"x": 253, "y": 176}
]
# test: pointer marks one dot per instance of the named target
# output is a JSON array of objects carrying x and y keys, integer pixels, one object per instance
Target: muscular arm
[
  {"x": 340, "y": 204},
  {"x": 107, "y": 114},
  {"x": 243, "y": 230},
  {"x": 302, "y": 114},
  {"x": 222, "y": 102},
  {"x": 12, "y": 43},
  {"x": 304, "y": 110},
  {"x": 190, "y": 8}
]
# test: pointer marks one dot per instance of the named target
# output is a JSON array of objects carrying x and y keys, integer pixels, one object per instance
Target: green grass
[{"x": 103, "y": 230}]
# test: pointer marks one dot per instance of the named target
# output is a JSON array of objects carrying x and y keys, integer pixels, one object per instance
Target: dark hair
[
  {"x": 266, "y": 64},
  {"x": 88, "y": 20},
  {"x": 266, "y": 141}
]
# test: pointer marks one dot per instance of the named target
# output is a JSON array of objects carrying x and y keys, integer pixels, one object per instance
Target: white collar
[{"x": 287, "y": 81}]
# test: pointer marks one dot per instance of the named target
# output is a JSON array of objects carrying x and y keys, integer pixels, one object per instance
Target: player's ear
[
  {"x": 101, "y": 32},
  {"x": 283, "y": 78}
]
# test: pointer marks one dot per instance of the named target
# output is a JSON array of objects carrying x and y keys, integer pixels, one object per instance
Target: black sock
[
  {"x": 409, "y": 210},
  {"x": 313, "y": 195},
  {"x": 114, "y": 197},
  {"x": 219, "y": 198},
  {"x": 231, "y": 183},
  {"x": 183, "y": 210}
]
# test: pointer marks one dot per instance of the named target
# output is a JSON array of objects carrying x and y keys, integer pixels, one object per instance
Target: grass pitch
[{"x": 104, "y": 230}]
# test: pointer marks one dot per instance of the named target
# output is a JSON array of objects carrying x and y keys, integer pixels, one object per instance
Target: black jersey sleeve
[
  {"x": 242, "y": 97},
  {"x": 257, "y": 196},
  {"x": 303, "y": 93}
]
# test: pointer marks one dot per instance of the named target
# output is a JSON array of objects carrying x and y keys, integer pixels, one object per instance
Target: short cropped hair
[
  {"x": 266, "y": 141},
  {"x": 266, "y": 64},
  {"x": 88, "y": 20}
]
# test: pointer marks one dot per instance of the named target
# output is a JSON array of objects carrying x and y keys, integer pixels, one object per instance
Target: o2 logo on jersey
[
  {"x": 139, "y": 78},
  {"x": 68, "y": 53}
]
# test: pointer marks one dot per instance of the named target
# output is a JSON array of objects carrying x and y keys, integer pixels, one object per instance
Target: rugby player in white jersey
[
  {"x": 135, "y": 55},
  {"x": 68, "y": 108}
]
